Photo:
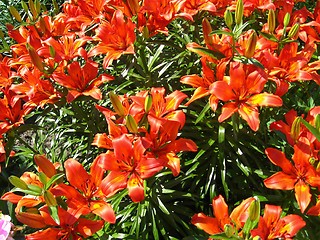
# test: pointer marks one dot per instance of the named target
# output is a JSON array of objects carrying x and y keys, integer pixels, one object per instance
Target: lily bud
[
  {"x": 318, "y": 167},
  {"x": 49, "y": 199},
  {"x": 294, "y": 31},
  {"x": 1, "y": 34},
  {"x": 148, "y": 103},
  {"x": 317, "y": 121},
  {"x": 35, "y": 58},
  {"x": 43, "y": 26},
  {"x": 271, "y": 21},
  {"x": 228, "y": 18},
  {"x": 17, "y": 182},
  {"x": 37, "y": 6},
  {"x": 228, "y": 230},
  {"x": 239, "y": 12},
  {"x": 56, "y": 6},
  {"x": 206, "y": 26},
  {"x": 251, "y": 45},
  {"x": 286, "y": 20},
  {"x": 295, "y": 128},
  {"x": 15, "y": 13},
  {"x": 134, "y": 6},
  {"x": 117, "y": 105},
  {"x": 24, "y": 6},
  {"x": 131, "y": 124},
  {"x": 33, "y": 9},
  {"x": 43, "y": 178},
  {"x": 254, "y": 209},
  {"x": 145, "y": 32},
  {"x": 52, "y": 51},
  {"x": 45, "y": 165}
]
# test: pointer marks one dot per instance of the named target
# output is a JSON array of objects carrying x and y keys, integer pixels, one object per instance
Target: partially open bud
[
  {"x": 251, "y": 45},
  {"x": 228, "y": 18},
  {"x": 17, "y": 182},
  {"x": 35, "y": 58},
  {"x": 295, "y": 128},
  {"x": 45, "y": 165},
  {"x": 271, "y": 21},
  {"x": 131, "y": 124},
  {"x": 147, "y": 103},
  {"x": 49, "y": 199},
  {"x": 239, "y": 12},
  {"x": 228, "y": 230},
  {"x": 117, "y": 105},
  {"x": 286, "y": 20},
  {"x": 15, "y": 13},
  {"x": 33, "y": 9},
  {"x": 254, "y": 209},
  {"x": 206, "y": 26},
  {"x": 294, "y": 31},
  {"x": 134, "y": 6},
  {"x": 317, "y": 121}
]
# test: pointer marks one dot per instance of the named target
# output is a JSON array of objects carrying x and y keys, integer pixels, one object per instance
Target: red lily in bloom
[
  {"x": 243, "y": 88},
  {"x": 294, "y": 177},
  {"x": 89, "y": 185},
  {"x": 271, "y": 226},
  {"x": 127, "y": 161},
  {"x": 213, "y": 225},
  {"x": 69, "y": 226},
  {"x": 192, "y": 7},
  {"x": 115, "y": 38},
  {"x": 82, "y": 81}
]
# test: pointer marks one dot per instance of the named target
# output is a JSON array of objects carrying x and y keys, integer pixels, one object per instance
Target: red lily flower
[
  {"x": 127, "y": 161},
  {"x": 82, "y": 81},
  {"x": 271, "y": 226},
  {"x": 294, "y": 177},
  {"x": 213, "y": 225},
  {"x": 69, "y": 226},
  {"x": 243, "y": 88},
  {"x": 89, "y": 185},
  {"x": 116, "y": 38}
]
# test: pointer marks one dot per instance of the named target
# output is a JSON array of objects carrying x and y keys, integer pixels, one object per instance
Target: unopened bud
[
  {"x": 239, "y": 12},
  {"x": 131, "y": 124},
  {"x": 286, "y": 20},
  {"x": 35, "y": 58},
  {"x": 17, "y": 182},
  {"x": 117, "y": 105},
  {"x": 45, "y": 165},
  {"x": 317, "y": 121},
  {"x": 148, "y": 103},
  {"x": 134, "y": 6},
  {"x": 228, "y": 18},
  {"x": 24, "y": 6},
  {"x": 145, "y": 32},
  {"x": 15, "y": 13},
  {"x": 43, "y": 26},
  {"x": 49, "y": 199},
  {"x": 44, "y": 8},
  {"x": 228, "y": 230},
  {"x": 312, "y": 161},
  {"x": 271, "y": 21},
  {"x": 295, "y": 128},
  {"x": 206, "y": 26},
  {"x": 37, "y": 6},
  {"x": 1, "y": 34},
  {"x": 56, "y": 6},
  {"x": 52, "y": 51},
  {"x": 43, "y": 178},
  {"x": 294, "y": 31},
  {"x": 33, "y": 9},
  {"x": 251, "y": 45},
  {"x": 35, "y": 190},
  {"x": 254, "y": 209}
]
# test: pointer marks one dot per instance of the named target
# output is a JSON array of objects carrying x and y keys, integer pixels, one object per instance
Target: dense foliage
[{"x": 128, "y": 119}]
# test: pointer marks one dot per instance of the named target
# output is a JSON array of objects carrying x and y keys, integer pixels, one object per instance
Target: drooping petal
[
  {"x": 222, "y": 90},
  {"x": 227, "y": 111},
  {"x": 114, "y": 182},
  {"x": 278, "y": 158},
  {"x": 76, "y": 174},
  {"x": 109, "y": 162},
  {"x": 31, "y": 219},
  {"x": 302, "y": 193},
  {"x": 103, "y": 210},
  {"x": 250, "y": 115},
  {"x": 292, "y": 224},
  {"x": 280, "y": 180},
  {"x": 220, "y": 210},
  {"x": 49, "y": 234},
  {"x": 135, "y": 187},
  {"x": 88, "y": 227},
  {"x": 208, "y": 224},
  {"x": 265, "y": 100}
]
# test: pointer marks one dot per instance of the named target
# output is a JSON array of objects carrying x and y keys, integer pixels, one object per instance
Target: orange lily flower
[
  {"x": 115, "y": 38},
  {"x": 82, "y": 81},
  {"x": 89, "y": 185},
  {"x": 271, "y": 226},
  {"x": 294, "y": 177},
  {"x": 192, "y": 7},
  {"x": 69, "y": 226},
  {"x": 213, "y": 225},
  {"x": 243, "y": 88},
  {"x": 127, "y": 161}
]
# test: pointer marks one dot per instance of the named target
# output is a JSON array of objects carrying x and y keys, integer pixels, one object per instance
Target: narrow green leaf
[
  {"x": 211, "y": 53},
  {"x": 221, "y": 32},
  {"x": 269, "y": 36},
  {"x": 54, "y": 214},
  {"x": 53, "y": 179},
  {"x": 202, "y": 113},
  {"x": 312, "y": 129}
]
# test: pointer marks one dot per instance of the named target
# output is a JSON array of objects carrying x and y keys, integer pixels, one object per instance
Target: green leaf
[
  {"x": 269, "y": 36},
  {"x": 202, "y": 113},
  {"x": 312, "y": 129},
  {"x": 224, "y": 236},
  {"x": 54, "y": 214},
  {"x": 211, "y": 53},
  {"x": 53, "y": 179},
  {"x": 221, "y": 32}
]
